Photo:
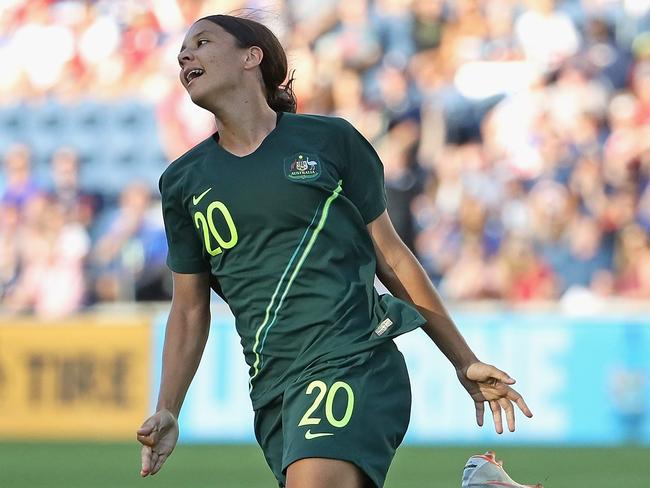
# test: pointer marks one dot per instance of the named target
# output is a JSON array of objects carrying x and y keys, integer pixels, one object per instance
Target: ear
[{"x": 253, "y": 57}]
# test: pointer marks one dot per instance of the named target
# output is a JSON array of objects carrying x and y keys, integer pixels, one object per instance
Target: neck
[{"x": 243, "y": 122}]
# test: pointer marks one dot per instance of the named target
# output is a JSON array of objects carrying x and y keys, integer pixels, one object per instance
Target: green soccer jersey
[{"x": 283, "y": 231}]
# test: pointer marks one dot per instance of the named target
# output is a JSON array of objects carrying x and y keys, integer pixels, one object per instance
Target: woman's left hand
[{"x": 485, "y": 383}]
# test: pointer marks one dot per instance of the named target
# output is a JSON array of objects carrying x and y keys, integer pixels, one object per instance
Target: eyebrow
[{"x": 194, "y": 36}]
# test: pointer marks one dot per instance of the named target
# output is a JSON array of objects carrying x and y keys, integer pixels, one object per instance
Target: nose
[{"x": 184, "y": 56}]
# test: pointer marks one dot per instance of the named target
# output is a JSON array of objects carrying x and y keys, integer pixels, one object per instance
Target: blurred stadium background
[{"x": 516, "y": 142}]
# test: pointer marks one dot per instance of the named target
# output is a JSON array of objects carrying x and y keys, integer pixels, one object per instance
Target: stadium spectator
[
  {"x": 514, "y": 133},
  {"x": 578, "y": 261},
  {"x": 633, "y": 263},
  {"x": 522, "y": 275},
  {"x": 129, "y": 252},
  {"x": 547, "y": 36},
  {"x": 52, "y": 255},
  {"x": 428, "y": 23},
  {"x": 20, "y": 186},
  {"x": 9, "y": 257},
  {"x": 403, "y": 175},
  {"x": 78, "y": 205}
]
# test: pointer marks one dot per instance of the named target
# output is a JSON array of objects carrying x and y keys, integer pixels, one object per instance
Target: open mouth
[{"x": 193, "y": 74}]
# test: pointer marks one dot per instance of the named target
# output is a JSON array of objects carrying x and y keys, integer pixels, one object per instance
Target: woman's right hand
[{"x": 158, "y": 435}]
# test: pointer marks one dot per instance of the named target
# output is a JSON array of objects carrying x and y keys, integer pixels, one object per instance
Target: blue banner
[{"x": 587, "y": 381}]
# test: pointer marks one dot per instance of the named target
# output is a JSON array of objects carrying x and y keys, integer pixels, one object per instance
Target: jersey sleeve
[
  {"x": 185, "y": 249},
  {"x": 363, "y": 175}
]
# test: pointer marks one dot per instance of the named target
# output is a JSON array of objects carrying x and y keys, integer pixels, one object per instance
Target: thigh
[
  {"x": 268, "y": 432},
  {"x": 355, "y": 409},
  {"x": 325, "y": 473}
]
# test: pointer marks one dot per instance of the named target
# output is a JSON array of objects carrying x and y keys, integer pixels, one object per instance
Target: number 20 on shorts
[{"x": 329, "y": 396}]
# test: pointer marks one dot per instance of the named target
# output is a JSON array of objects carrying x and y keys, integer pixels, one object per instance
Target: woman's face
[{"x": 211, "y": 62}]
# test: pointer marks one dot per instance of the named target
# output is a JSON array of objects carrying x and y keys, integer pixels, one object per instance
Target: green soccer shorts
[{"x": 356, "y": 409}]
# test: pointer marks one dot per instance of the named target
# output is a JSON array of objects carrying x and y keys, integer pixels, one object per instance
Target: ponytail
[{"x": 283, "y": 99}]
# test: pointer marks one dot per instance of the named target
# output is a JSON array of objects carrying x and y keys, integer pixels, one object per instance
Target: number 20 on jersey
[{"x": 205, "y": 222}]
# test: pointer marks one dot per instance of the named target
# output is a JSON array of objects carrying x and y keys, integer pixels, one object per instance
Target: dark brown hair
[{"x": 274, "y": 62}]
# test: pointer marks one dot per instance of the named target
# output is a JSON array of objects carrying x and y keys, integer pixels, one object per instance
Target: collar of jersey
[{"x": 265, "y": 141}]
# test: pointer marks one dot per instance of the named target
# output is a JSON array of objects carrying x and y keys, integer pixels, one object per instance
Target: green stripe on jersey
[
  {"x": 275, "y": 292},
  {"x": 310, "y": 244}
]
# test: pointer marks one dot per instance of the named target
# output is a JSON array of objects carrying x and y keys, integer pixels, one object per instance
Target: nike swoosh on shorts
[{"x": 309, "y": 435}]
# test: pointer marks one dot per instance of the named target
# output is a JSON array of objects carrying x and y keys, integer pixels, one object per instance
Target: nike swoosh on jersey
[
  {"x": 309, "y": 435},
  {"x": 196, "y": 200}
]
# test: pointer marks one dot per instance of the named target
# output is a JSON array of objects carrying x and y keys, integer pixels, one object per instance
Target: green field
[{"x": 68, "y": 465}]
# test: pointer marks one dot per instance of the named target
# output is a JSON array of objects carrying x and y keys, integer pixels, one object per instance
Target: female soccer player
[{"x": 284, "y": 216}]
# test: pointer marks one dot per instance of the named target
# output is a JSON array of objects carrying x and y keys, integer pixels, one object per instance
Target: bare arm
[
  {"x": 405, "y": 278},
  {"x": 185, "y": 338},
  {"x": 187, "y": 332}
]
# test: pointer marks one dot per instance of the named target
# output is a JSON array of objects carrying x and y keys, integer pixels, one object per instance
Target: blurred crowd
[{"x": 515, "y": 136}]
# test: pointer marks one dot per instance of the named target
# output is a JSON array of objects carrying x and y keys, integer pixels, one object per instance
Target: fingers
[
  {"x": 514, "y": 396},
  {"x": 496, "y": 415},
  {"x": 158, "y": 464},
  {"x": 150, "y": 436},
  {"x": 510, "y": 413},
  {"x": 496, "y": 406},
  {"x": 158, "y": 433},
  {"x": 502, "y": 376},
  {"x": 147, "y": 427},
  {"x": 519, "y": 400},
  {"x": 147, "y": 434},
  {"x": 154, "y": 460},
  {"x": 148, "y": 440},
  {"x": 145, "y": 456},
  {"x": 488, "y": 383},
  {"x": 505, "y": 404},
  {"x": 480, "y": 413},
  {"x": 486, "y": 372}
]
